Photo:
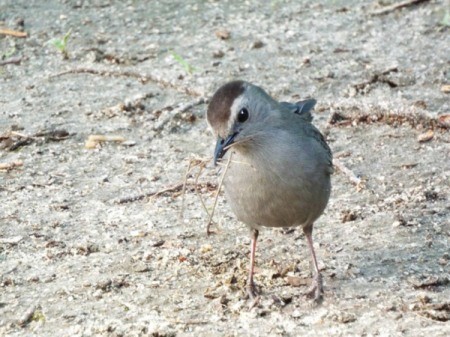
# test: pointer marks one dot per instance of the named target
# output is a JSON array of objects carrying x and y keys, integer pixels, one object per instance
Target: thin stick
[
  {"x": 176, "y": 112},
  {"x": 11, "y": 165},
  {"x": 173, "y": 188},
  {"x": 15, "y": 33},
  {"x": 183, "y": 191},
  {"x": 21, "y": 135},
  {"x": 193, "y": 163},
  {"x": 27, "y": 316},
  {"x": 361, "y": 115},
  {"x": 241, "y": 141},
  {"x": 349, "y": 173},
  {"x": 13, "y": 60},
  {"x": 396, "y": 6},
  {"x": 144, "y": 78},
  {"x": 236, "y": 162},
  {"x": 208, "y": 231},
  {"x": 198, "y": 193}
]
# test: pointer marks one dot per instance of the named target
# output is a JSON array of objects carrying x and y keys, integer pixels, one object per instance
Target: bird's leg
[
  {"x": 316, "y": 289},
  {"x": 251, "y": 288}
]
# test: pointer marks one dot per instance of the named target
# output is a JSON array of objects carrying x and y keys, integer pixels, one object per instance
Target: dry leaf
[
  {"x": 296, "y": 281},
  {"x": 205, "y": 248},
  {"x": 426, "y": 137},
  {"x": 223, "y": 34},
  {"x": 445, "y": 88},
  {"x": 444, "y": 120},
  {"x": 11, "y": 165},
  {"x": 10, "y": 32},
  {"x": 94, "y": 140}
]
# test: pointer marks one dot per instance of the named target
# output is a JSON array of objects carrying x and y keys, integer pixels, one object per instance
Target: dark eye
[{"x": 243, "y": 115}]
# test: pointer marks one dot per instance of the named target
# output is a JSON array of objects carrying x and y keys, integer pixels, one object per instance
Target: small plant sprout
[
  {"x": 8, "y": 53},
  {"x": 446, "y": 19},
  {"x": 61, "y": 44},
  {"x": 181, "y": 61}
]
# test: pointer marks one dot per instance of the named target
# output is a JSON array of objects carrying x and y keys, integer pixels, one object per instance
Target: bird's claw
[
  {"x": 208, "y": 229},
  {"x": 252, "y": 291},
  {"x": 316, "y": 290},
  {"x": 253, "y": 294}
]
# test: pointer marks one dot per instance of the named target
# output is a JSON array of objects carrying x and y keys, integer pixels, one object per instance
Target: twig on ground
[
  {"x": 177, "y": 111},
  {"x": 174, "y": 188},
  {"x": 21, "y": 135},
  {"x": 188, "y": 322},
  {"x": 396, "y": 6},
  {"x": 371, "y": 115},
  {"x": 377, "y": 77},
  {"x": 14, "y": 140},
  {"x": 144, "y": 78},
  {"x": 357, "y": 181},
  {"x": 12, "y": 60},
  {"x": 94, "y": 140},
  {"x": 27, "y": 316},
  {"x": 15, "y": 33},
  {"x": 11, "y": 165},
  {"x": 171, "y": 189}
]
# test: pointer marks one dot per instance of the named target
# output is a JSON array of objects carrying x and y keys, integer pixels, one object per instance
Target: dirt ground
[{"x": 95, "y": 238}]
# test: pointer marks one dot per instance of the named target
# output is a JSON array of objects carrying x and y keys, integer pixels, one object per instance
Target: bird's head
[{"x": 238, "y": 115}]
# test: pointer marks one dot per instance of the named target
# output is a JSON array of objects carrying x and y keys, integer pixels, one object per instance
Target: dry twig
[
  {"x": 183, "y": 190},
  {"x": 15, "y": 33},
  {"x": 94, "y": 140},
  {"x": 201, "y": 167},
  {"x": 208, "y": 231},
  {"x": 27, "y": 316},
  {"x": 359, "y": 115},
  {"x": 357, "y": 181},
  {"x": 11, "y": 165},
  {"x": 12, "y": 60},
  {"x": 178, "y": 111},
  {"x": 174, "y": 188},
  {"x": 193, "y": 163},
  {"x": 397, "y": 6},
  {"x": 144, "y": 78}
]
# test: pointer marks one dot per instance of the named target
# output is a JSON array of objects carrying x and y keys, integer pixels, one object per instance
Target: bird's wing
[{"x": 302, "y": 108}]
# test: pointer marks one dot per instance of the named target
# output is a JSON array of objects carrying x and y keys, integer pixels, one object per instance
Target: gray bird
[{"x": 279, "y": 173}]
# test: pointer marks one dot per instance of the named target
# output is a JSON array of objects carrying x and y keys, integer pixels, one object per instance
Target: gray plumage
[{"x": 279, "y": 175}]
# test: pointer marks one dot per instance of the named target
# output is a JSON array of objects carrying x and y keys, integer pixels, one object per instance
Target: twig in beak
[
  {"x": 183, "y": 191},
  {"x": 196, "y": 190},
  {"x": 208, "y": 231},
  {"x": 193, "y": 163}
]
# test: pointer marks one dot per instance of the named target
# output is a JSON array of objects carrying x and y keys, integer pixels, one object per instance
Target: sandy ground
[{"x": 88, "y": 249}]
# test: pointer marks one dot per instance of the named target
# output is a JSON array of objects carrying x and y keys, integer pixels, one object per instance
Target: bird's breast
[{"x": 262, "y": 192}]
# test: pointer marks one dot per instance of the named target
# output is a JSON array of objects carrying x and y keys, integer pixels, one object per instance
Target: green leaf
[
  {"x": 9, "y": 53},
  {"x": 61, "y": 44},
  {"x": 446, "y": 19},
  {"x": 66, "y": 37},
  {"x": 58, "y": 44},
  {"x": 187, "y": 67}
]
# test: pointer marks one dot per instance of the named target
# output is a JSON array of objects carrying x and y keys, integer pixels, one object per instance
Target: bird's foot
[
  {"x": 208, "y": 229},
  {"x": 316, "y": 290},
  {"x": 253, "y": 294},
  {"x": 252, "y": 291}
]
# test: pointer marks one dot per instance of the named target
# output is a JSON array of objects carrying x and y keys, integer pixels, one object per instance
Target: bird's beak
[{"x": 222, "y": 146}]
